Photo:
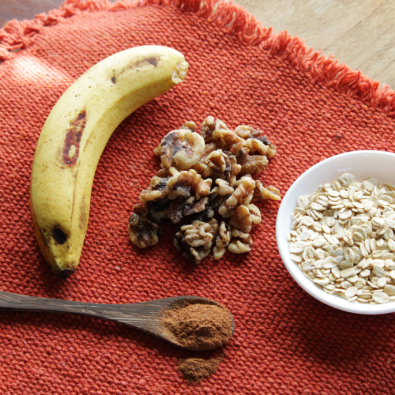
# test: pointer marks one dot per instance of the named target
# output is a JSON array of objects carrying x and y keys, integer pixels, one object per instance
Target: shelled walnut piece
[{"x": 205, "y": 177}]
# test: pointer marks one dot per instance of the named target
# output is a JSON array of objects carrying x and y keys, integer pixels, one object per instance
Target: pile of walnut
[{"x": 198, "y": 182}]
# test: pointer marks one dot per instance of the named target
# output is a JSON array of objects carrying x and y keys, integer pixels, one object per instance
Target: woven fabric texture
[{"x": 285, "y": 341}]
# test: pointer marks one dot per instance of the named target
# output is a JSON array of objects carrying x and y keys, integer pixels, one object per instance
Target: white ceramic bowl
[{"x": 362, "y": 164}]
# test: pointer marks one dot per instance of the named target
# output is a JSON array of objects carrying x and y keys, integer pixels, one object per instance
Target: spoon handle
[
  {"x": 11, "y": 301},
  {"x": 143, "y": 316}
]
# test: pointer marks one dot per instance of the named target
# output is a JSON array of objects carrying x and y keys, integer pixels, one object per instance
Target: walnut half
[
  {"x": 241, "y": 242},
  {"x": 252, "y": 164},
  {"x": 142, "y": 232},
  {"x": 262, "y": 192},
  {"x": 222, "y": 241},
  {"x": 197, "y": 234},
  {"x": 241, "y": 219},
  {"x": 188, "y": 183},
  {"x": 241, "y": 196},
  {"x": 181, "y": 148},
  {"x": 194, "y": 241}
]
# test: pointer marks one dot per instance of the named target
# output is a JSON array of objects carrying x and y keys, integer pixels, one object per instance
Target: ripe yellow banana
[{"x": 73, "y": 139}]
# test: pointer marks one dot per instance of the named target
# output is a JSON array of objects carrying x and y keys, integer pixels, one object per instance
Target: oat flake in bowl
[{"x": 355, "y": 222}]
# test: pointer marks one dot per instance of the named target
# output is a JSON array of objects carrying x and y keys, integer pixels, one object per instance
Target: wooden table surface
[{"x": 359, "y": 33}]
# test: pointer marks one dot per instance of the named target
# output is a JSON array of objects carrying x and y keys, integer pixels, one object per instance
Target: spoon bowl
[{"x": 145, "y": 316}]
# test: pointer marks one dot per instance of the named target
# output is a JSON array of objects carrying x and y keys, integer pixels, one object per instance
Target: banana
[{"x": 75, "y": 135}]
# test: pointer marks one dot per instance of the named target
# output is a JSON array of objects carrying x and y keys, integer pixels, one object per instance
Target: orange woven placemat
[{"x": 285, "y": 341}]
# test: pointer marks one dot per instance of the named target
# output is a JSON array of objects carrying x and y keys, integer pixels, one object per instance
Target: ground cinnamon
[
  {"x": 198, "y": 325},
  {"x": 197, "y": 369}
]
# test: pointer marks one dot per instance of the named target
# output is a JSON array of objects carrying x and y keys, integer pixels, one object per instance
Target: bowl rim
[{"x": 282, "y": 244}]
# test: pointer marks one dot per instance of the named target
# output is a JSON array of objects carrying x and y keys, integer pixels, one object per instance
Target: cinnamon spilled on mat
[
  {"x": 197, "y": 369},
  {"x": 198, "y": 326}
]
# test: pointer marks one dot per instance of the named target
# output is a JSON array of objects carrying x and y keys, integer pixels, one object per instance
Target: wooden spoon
[{"x": 143, "y": 316}]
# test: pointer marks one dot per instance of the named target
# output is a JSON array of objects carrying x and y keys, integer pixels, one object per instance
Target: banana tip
[
  {"x": 180, "y": 72},
  {"x": 65, "y": 273}
]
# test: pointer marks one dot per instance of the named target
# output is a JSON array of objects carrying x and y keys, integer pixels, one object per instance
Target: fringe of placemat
[{"x": 235, "y": 21}]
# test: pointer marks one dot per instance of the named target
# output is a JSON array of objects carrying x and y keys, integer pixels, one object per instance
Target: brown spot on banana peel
[
  {"x": 71, "y": 148},
  {"x": 58, "y": 235},
  {"x": 83, "y": 218},
  {"x": 152, "y": 61}
]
